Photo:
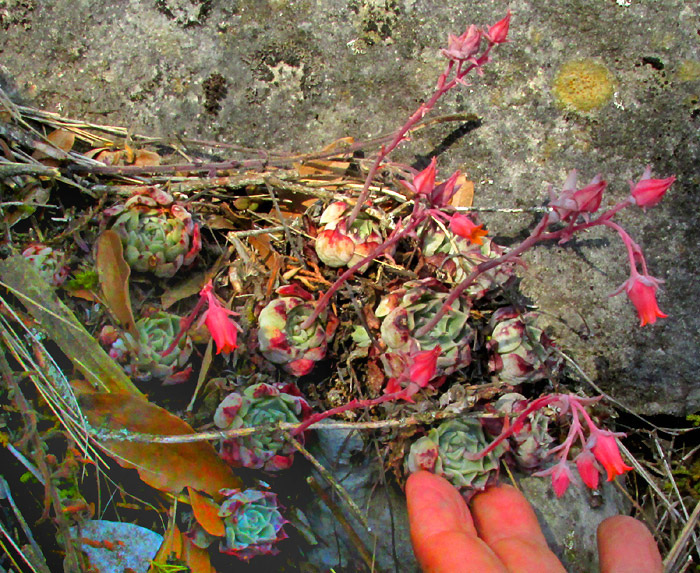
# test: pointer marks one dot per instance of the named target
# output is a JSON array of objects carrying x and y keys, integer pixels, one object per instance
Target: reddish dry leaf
[
  {"x": 196, "y": 558},
  {"x": 114, "y": 273},
  {"x": 62, "y": 138},
  {"x": 464, "y": 195},
  {"x": 172, "y": 545},
  {"x": 144, "y": 158},
  {"x": 269, "y": 256},
  {"x": 206, "y": 512},
  {"x": 167, "y": 467}
]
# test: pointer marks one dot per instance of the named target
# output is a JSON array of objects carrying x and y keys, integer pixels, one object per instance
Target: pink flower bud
[
  {"x": 465, "y": 46},
  {"x": 499, "y": 31},
  {"x": 423, "y": 366},
  {"x": 424, "y": 182},
  {"x": 464, "y": 227},
  {"x": 585, "y": 463},
  {"x": 607, "y": 452},
  {"x": 561, "y": 478},
  {"x": 589, "y": 198},
  {"x": 648, "y": 192}
]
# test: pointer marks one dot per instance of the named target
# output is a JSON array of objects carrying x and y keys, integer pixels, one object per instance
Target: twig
[{"x": 683, "y": 538}]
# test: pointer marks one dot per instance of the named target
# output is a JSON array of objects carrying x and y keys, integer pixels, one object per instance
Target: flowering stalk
[{"x": 460, "y": 53}]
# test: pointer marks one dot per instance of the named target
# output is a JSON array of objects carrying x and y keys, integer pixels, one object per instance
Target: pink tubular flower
[
  {"x": 589, "y": 198},
  {"x": 423, "y": 366},
  {"x": 561, "y": 478},
  {"x": 218, "y": 321},
  {"x": 465, "y": 46},
  {"x": 424, "y": 182},
  {"x": 648, "y": 192},
  {"x": 606, "y": 451},
  {"x": 464, "y": 227},
  {"x": 499, "y": 31},
  {"x": 585, "y": 463},
  {"x": 641, "y": 290}
]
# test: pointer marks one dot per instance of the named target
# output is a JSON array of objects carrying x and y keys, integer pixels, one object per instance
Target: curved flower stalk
[
  {"x": 340, "y": 243},
  {"x": 157, "y": 232},
  {"x": 281, "y": 337},
  {"x": 142, "y": 355},
  {"x": 520, "y": 350},
  {"x": 457, "y": 256},
  {"x": 447, "y": 450},
  {"x": 406, "y": 310},
  {"x": 530, "y": 444},
  {"x": 49, "y": 262},
  {"x": 260, "y": 405},
  {"x": 253, "y": 524}
]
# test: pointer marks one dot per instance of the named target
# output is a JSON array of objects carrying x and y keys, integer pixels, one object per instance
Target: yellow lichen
[{"x": 583, "y": 85}]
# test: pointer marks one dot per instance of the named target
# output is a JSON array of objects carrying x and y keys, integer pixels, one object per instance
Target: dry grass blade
[{"x": 671, "y": 563}]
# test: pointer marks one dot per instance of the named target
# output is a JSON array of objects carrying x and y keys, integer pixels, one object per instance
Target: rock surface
[{"x": 297, "y": 74}]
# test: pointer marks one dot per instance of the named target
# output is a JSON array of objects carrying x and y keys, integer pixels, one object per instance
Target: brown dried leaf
[
  {"x": 114, "y": 272},
  {"x": 464, "y": 197},
  {"x": 189, "y": 287},
  {"x": 206, "y": 512},
  {"x": 145, "y": 158},
  {"x": 62, "y": 138},
  {"x": 172, "y": 545},
  {"x": 196, "y": 558},
  {"x": 167, "y": 467}
]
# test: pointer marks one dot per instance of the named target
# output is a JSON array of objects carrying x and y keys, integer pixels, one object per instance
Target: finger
[
  {"x": 507, "y": 523},
  {"x": 442, "y": 531},
  {"x": 626, "y": 545}
]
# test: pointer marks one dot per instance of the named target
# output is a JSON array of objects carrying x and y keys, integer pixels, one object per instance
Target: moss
[{"x": 583, "y": 85}]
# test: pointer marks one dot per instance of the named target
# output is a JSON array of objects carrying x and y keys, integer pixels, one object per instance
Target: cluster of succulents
[
  {"x": 49, "y": 262},
  {"x": 260, "y": 404},
  {"x": 405, "y": 310},
  {"x": 253, "y": 524},
  {"x": 159, "y": 235},
  {"x": 520, "y": 349},
  {"x": 339, "y": 244},
  {"x": 141, "y": 353},
  {"x": 281, "y": 338},
  {"x": 447, "y": 451},
  {"x": 455, "y": 258}
]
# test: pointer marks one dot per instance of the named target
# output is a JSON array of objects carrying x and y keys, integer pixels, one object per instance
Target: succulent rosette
[
  {"x": 49, "y": 262},
  {"x": 253, "y": 523},
  {"x": 261, "y": 404},
  {"x": 406, "y": 310},
  {"x": 339, "y": 244},
  {"x": 457, "y": 256},
  {"x": 530, "y": 445},
  {"x": 447, "y": 449},
  {"x": 281, "y": 338},
  {"x": 157, "y": 232},
  {"x": 520, "y": 350},
  {"x": 141, "y": 354}
]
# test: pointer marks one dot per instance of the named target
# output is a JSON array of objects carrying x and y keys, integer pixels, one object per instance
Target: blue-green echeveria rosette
[
  {"x": 281, "y": 339},
  {"x": 446, "y": 451},
  {"x": 253, "y": 523},
  {"x": 406, "y": 310},
  {"x": 158, "y": 234},
  {"x": 141, "y": 355},
  {"x": 261, "y": 404}
]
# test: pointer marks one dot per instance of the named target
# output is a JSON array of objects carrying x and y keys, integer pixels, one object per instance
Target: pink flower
[
  {"x": 648, "y": 192},
  {"x": 588, "y": 199},
  {"x": 606, "y": 451},
  {"x": 424, "y": 182},
  {"x": 464, "y": 227},
  {"x": 561, "y": 477},
  {"x": 465, "y": 46},
  {"x": 217, "y": 318},
  {"x": 641, "y": 290},
  {"x": 585, "y": 463},
  {"x": 423, "y": 366},
  {"x": 499, "y": 31}
]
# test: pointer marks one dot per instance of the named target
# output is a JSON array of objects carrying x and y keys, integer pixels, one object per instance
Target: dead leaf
[
  {"x": 206, "y": 512},
  {"x": 196, "y": 558},
  {"x": 268, "y": 255},
  {"x": 172, "y": 545},
  {"x": 61, "y": 325},
  {"x": 167, "y": 467},
  {"x": 145, "y": 158},
  {"x": 62, "y": 138},
  {"x": 464, "y": 196},
  {"x": 189, "y": 287},
  {"x": 114, "y": 273}
]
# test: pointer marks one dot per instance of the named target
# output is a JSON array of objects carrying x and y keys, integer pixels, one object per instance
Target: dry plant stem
[
  {"x": 329, "y": 478},
  {"x": 682, "y": 540},
  {"x": 72, "y": 562},
  {"x": 338, "y": 514}
]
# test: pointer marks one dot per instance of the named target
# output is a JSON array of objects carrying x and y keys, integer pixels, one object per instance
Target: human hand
[{"x": 501, "y": 533}]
